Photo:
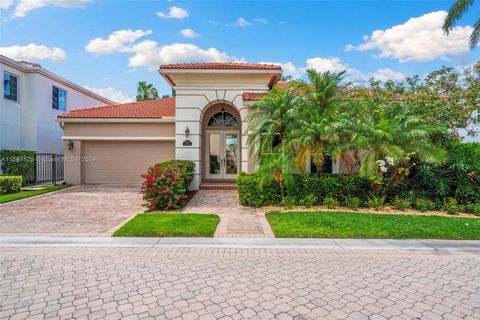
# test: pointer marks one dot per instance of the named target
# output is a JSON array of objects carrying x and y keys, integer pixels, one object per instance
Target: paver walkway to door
[{"x": 235, "y": 220}]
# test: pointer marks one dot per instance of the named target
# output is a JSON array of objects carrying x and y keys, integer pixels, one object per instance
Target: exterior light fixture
[
  {"x": 187, "y": 132},
  {"x": 70, "y": 145}
]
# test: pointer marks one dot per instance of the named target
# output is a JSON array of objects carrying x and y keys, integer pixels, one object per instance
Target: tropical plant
[
  {"x": 458, "y": 9},
  {"x": 276, "y": 167},
  {"x": 315, "y": 133},
  {"x": 388, "y": 142},
  {"x": 146, "y": 91},
  {"x": 269, "y": 119}
]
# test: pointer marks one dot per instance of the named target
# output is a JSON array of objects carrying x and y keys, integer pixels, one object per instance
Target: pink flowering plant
[{"x": 166, "y": 184}]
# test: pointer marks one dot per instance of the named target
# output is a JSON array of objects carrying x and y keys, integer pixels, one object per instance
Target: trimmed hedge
[
  {"x": 166, "y": 184},
  {"x": 304, "y": 189},
  {"x": 18, "y": 163},
  {"x": 10, "y": 184}
]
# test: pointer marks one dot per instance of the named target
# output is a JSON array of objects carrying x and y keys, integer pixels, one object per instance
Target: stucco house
[
  {"x": 32, "y": 99},
  {"x": 205, "y": 122}
]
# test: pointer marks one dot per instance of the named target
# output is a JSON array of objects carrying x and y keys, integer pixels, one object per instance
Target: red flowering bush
[{"x": 166, "y": 184}]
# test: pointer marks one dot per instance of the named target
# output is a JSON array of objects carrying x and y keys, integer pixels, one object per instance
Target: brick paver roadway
[
  {"x": 82, "y": 210},
  {"x": 195, "y": 283}
]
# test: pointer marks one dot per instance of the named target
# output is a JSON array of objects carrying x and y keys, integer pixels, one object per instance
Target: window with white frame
[
  {"x": 10, "y": 86},
  {"x": 59, "y": 99}
]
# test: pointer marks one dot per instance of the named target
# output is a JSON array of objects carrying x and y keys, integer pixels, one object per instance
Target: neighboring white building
[{"x": 32, "y": 98}]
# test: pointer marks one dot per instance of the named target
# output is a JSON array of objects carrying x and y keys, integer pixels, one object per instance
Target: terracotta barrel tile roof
[
  {"x": 252, "y": 96},
  {"x": 144, "y": 109},
  {"x": 222, "y": 65}
]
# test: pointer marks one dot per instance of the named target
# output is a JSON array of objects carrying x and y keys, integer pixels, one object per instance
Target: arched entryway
[{"x": 221, "y": 143}]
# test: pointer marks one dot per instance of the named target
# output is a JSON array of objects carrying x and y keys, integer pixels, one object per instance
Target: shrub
[
  {"x": 352, "y": 203},
  {"x": 473, "y": 208},
  {"x": 166, "y": 184},
  {"x": 10, "y": 184},
  {"x": 401, "y": 203},
  {"x": 330, "y": 202},
  {"x": 303, "y": 189},
  {"x": 18, "y": 163},
  {"x": 309, "y": 200},
  {"x": 376, "y": 202},
  {"x": 424, "y": 204},
  {"x": 451, "y": 206},
  {"x": 254, "y": 194}
]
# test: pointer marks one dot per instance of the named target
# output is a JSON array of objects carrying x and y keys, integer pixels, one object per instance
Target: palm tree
[
  {"x": 322, "y": 88},
  {"x": 378, "y": 136},
  {"x": 316, "y": 134},
  {"x": 458, "y": 9},
  {"x": 269, "y": 119},
  {"x": 146, "y": 91},
  {"x": 276, "y": 167}
]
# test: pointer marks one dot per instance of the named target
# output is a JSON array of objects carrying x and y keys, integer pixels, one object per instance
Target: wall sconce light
[
  {"x": 70, "y": 145},
  {"x": 187, "y": 132}
]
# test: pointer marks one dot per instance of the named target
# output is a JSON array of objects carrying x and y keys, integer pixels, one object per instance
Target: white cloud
[
  {"x": 112, "y": 94},
  {"x": 326, "y": 64},
  {"x": 174, "y": 13},
  {"x": 213, "y": 22},
  {"x": 418, "y": 39},
  {"x": 149, "y": 54},
  {"x": 189, "y": 33},
  {"x": 334, "y": 64},
  {"x": 5, "y": 4},
  {"x": 33, "y": 52},
  {"x": 386, "y": 74},
  {"x": 288, "y": 68},
  {"x": 25, "y": 6},
  {"x": 261, "y": 20},
  {"x": 241, "y": 22},
  {"x": 118, "y": 41}
]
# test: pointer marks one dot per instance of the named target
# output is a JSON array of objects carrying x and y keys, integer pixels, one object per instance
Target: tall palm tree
[
  {"x": 458, "y": 9},
  {"x": 146, "y": 91},
  {"x": 269, "y": 119},
  {"x": 322, "y": 88},
  {"x": 315, "y": 134}
]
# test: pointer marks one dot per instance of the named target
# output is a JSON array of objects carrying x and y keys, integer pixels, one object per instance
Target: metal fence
[{"x": 49, "y": 168}]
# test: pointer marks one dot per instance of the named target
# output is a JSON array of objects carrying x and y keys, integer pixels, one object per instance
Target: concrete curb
[{"x": 266, "y": 243}]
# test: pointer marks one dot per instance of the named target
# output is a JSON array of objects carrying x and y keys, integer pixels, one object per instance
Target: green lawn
[
  {"x": 169, "y": 225},
  {"x": 363, "y": 225},
  {"x": 26, "y": 194}
]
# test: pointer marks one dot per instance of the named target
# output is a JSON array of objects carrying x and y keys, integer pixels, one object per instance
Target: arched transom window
[{"x": 222, "y": 119}]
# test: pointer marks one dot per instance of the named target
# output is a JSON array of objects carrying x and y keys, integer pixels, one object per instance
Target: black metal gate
[{"x": 49, "y": 168}]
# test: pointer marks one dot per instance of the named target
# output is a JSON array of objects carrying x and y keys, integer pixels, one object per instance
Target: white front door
[{"x": 222, "y": 160}]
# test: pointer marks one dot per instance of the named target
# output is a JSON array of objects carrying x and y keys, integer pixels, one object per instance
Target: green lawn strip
[
  {"x": 364, "y": 225},
  {"x": 26, "y": 194},
  {"x": 169, "y": 225}
]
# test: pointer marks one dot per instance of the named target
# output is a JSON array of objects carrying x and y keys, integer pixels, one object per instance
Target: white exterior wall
[
  {"x": 10, "y": 112},
  {"x": 30, "y": 124},
  {"x": 194, "y": 96},
  {"x": 190, "y": 106}
]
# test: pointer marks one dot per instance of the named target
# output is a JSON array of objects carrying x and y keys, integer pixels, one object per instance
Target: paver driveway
[
  {"x": 81, "y": 210},
  {"x": 196, "y": 283}
]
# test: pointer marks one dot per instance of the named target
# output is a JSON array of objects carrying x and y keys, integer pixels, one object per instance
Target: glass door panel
[
  {"x": 215, "y": 154},
  {"x": 231, "y": 154}
]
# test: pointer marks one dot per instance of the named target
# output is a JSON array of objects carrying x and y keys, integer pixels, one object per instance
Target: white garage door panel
[{"x": 122, "y": 162}]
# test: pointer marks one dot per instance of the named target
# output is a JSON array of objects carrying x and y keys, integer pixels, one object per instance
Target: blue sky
[{"x": 109, "y": 46}]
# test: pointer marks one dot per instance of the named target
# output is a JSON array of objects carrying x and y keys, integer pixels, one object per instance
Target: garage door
[{"x": 122, "y": 162}]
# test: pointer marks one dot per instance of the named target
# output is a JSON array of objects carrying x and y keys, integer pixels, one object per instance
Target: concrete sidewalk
[{"x": 331, "y": 244}]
